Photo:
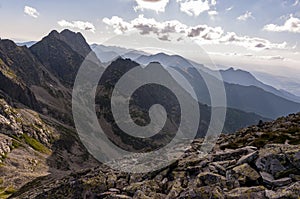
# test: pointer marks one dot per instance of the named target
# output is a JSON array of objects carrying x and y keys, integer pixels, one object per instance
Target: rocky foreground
[{"x": 257, "y": 162}]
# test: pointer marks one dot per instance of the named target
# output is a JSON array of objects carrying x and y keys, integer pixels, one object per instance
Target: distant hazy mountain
[
  {"x": 244, "y": 91},
  {"x": 230, "y": 75},
  {"x": 283, "y": 83},
  {"x": 245, "y": 78},
  {"x": 27, "y": 44},
  {"x": 110, "y": 53}
]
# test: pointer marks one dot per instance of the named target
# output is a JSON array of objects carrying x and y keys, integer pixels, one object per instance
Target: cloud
[
  {"x": 230, "y": 8},
  {"x": 291, "y": 25},
  {"x": 253, "y": 43},
  {"x": 196, "y": 7},
  {"x": 31, "y": 12},
  {"x": 81, "y": 25},
  {"x": 212, "y": 13},
  {"x": 177, "y": 31},
  {"x": 118, "y": 24},
  {"x": 156, "y": 5},
  {"x": 296, "y": 3},
  {"x": 249, "y": 55},
  {"x": 246, "y": 16}
]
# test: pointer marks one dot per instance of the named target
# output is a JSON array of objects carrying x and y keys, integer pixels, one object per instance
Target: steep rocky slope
[
  {"x": 25, "y": 142},
  {"x": 33, "y": 145},
  {"x": 269, "y": 169}
]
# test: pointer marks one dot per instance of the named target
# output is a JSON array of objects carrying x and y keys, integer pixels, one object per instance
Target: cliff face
[{"x": 247, "y": 164}]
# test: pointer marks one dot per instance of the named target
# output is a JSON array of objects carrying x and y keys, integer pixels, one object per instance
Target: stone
[
  {"x": 246, "y": 173},
  {"x": 114, "y": 190},
  {"x": 230, "y": 154},
  {"x": 140, "y": 195},
  {"x": 294, "y": 157},
  {"x": 206, "y": 192},
  {"x": 209, "y": 178},
  {"x": 219, "y": 169},
  {"x": 248, "y": 158},
  {"x": 292, "y": 192},
  {"x": 269, "y": 180},
  {"x": 145, "y": 186},
  {"x": 247, "y": 193},
  {"x": 271, "y": 163}
]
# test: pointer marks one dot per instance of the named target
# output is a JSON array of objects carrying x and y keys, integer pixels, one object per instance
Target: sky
[{"x": 255, "y": 35}]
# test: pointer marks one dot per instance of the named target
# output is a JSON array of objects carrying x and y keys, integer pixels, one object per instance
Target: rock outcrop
[{"x": 266, "y": 172}]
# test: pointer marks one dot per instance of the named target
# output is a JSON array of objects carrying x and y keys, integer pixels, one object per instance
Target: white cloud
[
  {"x": 246, "y": 16},
  {"x": 230, "y": 8},
  {"x": 290, "y": 25},
  {"x": 296, "y": 3},
  {"x": 253, "y": 43},
  {"x": 263, "y": 57},
  {"x": 156, "y": 5},
  {"x": 81, "y": 25},
  {"x": 196, "y": 7},
  {"x": 212, "y": 13},
  {"x": 31, "y": 12},
  {"x": 175, "y": 30},
  {"x": 252, "y": 56},
  {"x": 118, "y": 24}
]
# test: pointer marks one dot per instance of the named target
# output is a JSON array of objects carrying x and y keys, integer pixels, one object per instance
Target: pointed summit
[
  {"x": 76, "y": 41},
  {"x": 62, "y": 54}
]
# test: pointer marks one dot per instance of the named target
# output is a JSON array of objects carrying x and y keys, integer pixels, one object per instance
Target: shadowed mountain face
[
  {"x": 26, "y": 82},
  {"x": 36, "y": 112},
  {"x": 235, "y": 119},
  {"x": 58, "y": 57},
  {"x": 16, "y": 64}
]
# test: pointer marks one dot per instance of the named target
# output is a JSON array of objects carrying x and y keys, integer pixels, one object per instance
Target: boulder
[
  {"x": 248, "y": 158},
  {"x": 269, "y": 180},
  {"x": 247, "y": 193},
  {"x": 208, "y": 178},
  {"x": 246, "y": 174},
  {"x": 230, "y": 154},
  {"x": 294, "y": 157},
  {"x": 206, "y": 192},
  {"x": 280, "y": 160},
  {"x": 291, "y": 192}
]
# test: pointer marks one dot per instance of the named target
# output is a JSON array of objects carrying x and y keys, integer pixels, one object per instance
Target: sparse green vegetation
[
  {"x": 36, "y": 145},
  {"x": 16, "y": 144},
  {"x": 6, "y": 192},
  {"x": 271, "y": 137}
]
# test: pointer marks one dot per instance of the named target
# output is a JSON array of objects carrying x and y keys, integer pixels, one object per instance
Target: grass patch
[
  {"x": 271, "y": 137},
  {"x": 36, "y": 145},
  {"x": 16, "y": 144},
  {"x": 7, "y": 192}
]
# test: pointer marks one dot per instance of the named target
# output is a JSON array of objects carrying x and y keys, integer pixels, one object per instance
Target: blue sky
[{"x": 257, "y": 35}]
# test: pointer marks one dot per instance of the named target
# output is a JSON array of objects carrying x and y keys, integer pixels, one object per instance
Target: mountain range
[
  {"x": 242, "y": 88},
  {"x": 37, "y": 131}
]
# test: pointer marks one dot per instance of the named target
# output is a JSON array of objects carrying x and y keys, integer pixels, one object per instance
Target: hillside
[{"x": 256, "y": 162}]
